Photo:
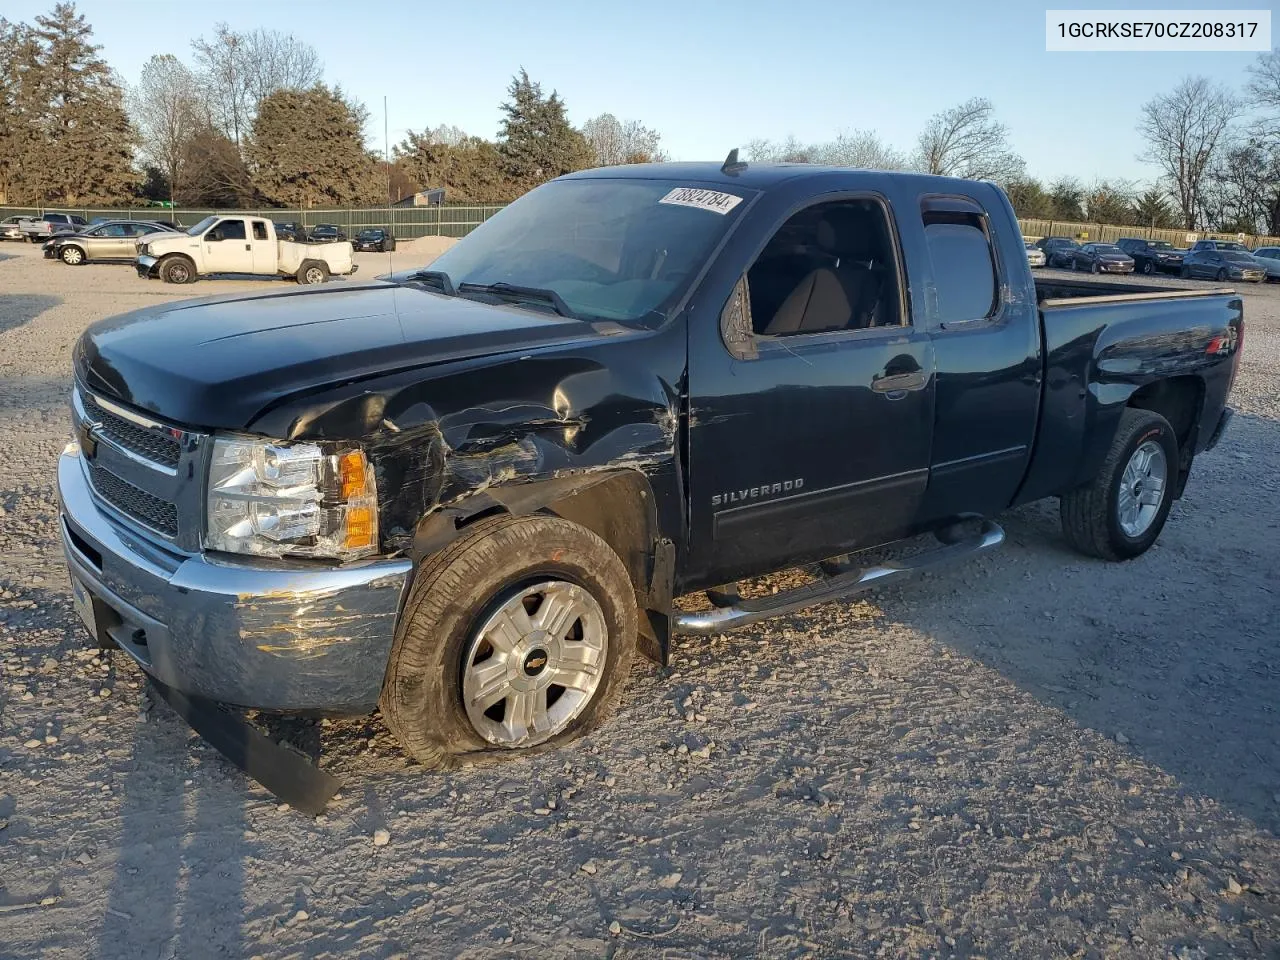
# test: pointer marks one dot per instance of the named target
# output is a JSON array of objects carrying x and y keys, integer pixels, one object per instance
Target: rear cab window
[{"x": 958, "y": 236}]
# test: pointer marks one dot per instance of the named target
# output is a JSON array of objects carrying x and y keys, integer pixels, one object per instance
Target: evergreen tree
[
  {"x": 83, "y": 151},
  {"x": 536, "y": 140},
  {"x": 307, "y": 149}
]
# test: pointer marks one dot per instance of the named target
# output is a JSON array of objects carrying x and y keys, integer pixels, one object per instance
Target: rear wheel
[
  {"x": 313, "y": 272},
  {"x": 177, "y": 270},
  {"x": 1121, "y": 513},
  {"x": 519, "y": 634},
  {"x": 72, "y": 256},
  {"x": 1148, "y": 267}
]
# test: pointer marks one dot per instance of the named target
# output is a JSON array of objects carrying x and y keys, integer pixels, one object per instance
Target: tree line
[{"x": 248, "y": 120}]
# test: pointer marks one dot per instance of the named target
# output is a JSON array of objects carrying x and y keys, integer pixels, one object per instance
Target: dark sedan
[
  {"x": 327, "y": 233},
  {"x": 291, "y": 230},
  {"x": 375, "y": 238},
  {"x": 1102, "y": 258},
  {"x": 1058, "y": 251},
  {"x": 1209, "y": 264},
  {"x": 1152, "y": 256}
]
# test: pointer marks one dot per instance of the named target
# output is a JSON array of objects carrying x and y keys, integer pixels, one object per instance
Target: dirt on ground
[{"x": 1029, "y": 755}]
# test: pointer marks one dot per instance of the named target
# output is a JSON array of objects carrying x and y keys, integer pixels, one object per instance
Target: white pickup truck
[{"x": 245, "y": 245}]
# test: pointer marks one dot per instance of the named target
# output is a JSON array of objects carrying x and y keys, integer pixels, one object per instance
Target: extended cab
[
  {"x": 243, "y": 245},
  {"x": 469, "y": 493}
]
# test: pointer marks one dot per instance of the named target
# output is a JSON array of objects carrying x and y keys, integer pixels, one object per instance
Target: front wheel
[
  {"x": 519, "y": 634},
  {"x": 72, "y": 256},
  {"x": 177, "y": 270},
  {"x": 1093, "y": 267},
  {"x": 1121, "y": 513},
  {"x": 1221, "y": 275},
  {"x": 1185, "y": 273},
  {"x": 1148, "y": 267}
]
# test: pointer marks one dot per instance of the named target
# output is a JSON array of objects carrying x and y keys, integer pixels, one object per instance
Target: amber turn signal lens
[
  {"x": 351, "y": 470},
  {"x": 359, "y": 527}
]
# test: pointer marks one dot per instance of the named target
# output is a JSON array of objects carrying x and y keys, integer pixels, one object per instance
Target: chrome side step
[{"x": 745, "y": 612}]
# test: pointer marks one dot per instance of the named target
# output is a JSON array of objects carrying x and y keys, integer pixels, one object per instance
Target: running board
[{"x": 745, "y": 612}]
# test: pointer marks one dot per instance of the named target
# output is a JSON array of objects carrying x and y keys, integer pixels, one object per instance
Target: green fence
[
  {"x": 1110, "y": 233},
  {"x": 405, "y": 223}
]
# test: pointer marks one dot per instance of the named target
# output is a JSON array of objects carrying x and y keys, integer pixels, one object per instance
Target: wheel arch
[
  {"x": 1180, "y": 400},
  {"x": 617, "y": 505}
]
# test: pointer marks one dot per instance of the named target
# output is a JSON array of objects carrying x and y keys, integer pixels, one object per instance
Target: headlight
[{"x": 279, "y": 499}]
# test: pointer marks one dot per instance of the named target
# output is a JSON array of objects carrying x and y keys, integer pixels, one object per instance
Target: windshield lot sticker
[{"x": 712, "y": 200}]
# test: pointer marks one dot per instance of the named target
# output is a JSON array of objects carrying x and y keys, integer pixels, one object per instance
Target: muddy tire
[
  {"x": 178, "y": 270},
  {"x": 1121, "y": 513},
  {"x": 492, "y": 622}
]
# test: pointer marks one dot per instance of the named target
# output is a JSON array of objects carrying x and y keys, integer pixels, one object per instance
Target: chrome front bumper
[{"x": 258, "y": 634}]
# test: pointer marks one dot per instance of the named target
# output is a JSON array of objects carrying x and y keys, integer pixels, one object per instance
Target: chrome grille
[
  {"x": 151, "y": 511},
  {"x": 151, "y": 444}
]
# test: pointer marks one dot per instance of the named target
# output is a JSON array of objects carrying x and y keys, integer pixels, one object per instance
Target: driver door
[{"x": 227, "y": 248}]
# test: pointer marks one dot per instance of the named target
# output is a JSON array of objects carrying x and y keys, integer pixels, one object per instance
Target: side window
[
  {"x": 259, "y": 230},
  {"x": 116, "y": 230},
  {"x": 964, "y": 268},
  {"x": 231, "y": 229},
  {"x": 830, "y": 267}
]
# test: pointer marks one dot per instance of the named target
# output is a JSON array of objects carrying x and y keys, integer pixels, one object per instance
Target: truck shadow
[
  {"x": 1172, "y": 654},
  {"x": 17, "y": 310}
]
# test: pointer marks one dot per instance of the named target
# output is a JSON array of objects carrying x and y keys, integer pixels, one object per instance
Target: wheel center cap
[{"x": 535, "y": 662}]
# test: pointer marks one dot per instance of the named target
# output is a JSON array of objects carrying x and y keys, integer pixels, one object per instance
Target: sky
[{"x": 709, "y": 76}]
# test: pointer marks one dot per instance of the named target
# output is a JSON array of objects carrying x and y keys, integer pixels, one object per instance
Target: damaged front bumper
[
  {"x": 265, "y": 635},
  {"x": 146, "y": 265}
]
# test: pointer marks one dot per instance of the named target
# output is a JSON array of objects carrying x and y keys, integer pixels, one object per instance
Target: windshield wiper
[
  {"x": 510, "y": 291},
  {"x": 437, "y": 277}
]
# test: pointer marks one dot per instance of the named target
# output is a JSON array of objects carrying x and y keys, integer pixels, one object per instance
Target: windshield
[
  {"x": 1160, "y": 245},
  {"x": 369, "y": 233},
  {"x": 201, "y": 227},
  {"x": 1106, "y": 248},
  {"x": 610, "y": 248},
  {"x": 1225, "y": 245}
]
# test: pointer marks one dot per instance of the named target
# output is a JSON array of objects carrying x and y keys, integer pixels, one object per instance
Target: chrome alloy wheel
[
  {"x": 1142, "y": 489},
  {"x": 534, "y": 664}
]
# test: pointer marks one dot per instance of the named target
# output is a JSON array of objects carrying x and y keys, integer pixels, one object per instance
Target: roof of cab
[{"x": 758, "y": 176}]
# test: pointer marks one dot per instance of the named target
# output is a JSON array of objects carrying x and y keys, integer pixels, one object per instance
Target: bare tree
[
  {"x": 860, "y": 148},
  {"x": 1184, "y": 130},
  {"x": 1264, "y": 85},
  {"x": 790, "y": 150},
  {"x": 167, "y": 111},
  {"x": 967, "y": 141},
  {"x": 240, "y": 70},
  {"x": 615, "y": 142}
]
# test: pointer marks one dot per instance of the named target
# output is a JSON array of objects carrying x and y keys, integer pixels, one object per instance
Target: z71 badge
[{"x": 747, "y": 494}]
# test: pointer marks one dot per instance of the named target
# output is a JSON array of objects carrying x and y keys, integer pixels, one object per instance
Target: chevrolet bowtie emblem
[{"x": 88, "y": 437}]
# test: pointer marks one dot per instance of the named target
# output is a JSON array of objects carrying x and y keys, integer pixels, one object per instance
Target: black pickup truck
[{"x": 468, "y": 494}]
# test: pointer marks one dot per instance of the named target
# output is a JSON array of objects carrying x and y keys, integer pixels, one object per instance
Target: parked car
[
  {"x": 1101, "y": 258},
  {"x": 94, "y": 221},
  {"x": 291, "y": 230},
  {"x": 238, "y": 245},
  {"x": 326, "y": 233},
  {"x": 471, "y": 492},
  {"x": 1211, "y": 264},
  {"x": 1218, "y": 245},
  {"x": 43, "y": 227},
  {"x": 1035, "y": 256},
  {"x": 1269, "y": 257},
  {"x": 109, "y": 240},
  {"x": 1152, "y": 256},
  {"x": 11, "y": 227},
  {"x": 375, "y": 238},
  {"x": 1058, "y": 251}
]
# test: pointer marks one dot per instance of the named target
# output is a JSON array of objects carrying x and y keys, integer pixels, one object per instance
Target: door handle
[
  {"x": 248, "y": 246},
  {"x": 896, "y": 385}
]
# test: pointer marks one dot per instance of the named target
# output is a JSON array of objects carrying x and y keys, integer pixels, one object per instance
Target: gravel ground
[{"x": 1031, "y": 755}]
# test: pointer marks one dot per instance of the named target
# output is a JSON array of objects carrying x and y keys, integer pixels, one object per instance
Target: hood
[{"x": 218, "y": 362}]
